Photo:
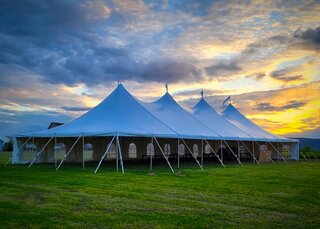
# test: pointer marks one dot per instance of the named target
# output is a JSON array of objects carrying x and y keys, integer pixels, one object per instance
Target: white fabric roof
[
  {"x": 172, "y": 114},
  {"x": 120, "y": 113},
  {"x": 208, "y": 116},
  {"x": 252, "y": 129},
  {"x": 123, "y": 115}
]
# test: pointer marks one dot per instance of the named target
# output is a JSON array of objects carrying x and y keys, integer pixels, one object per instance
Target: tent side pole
[
  {"x": 215, "y": 153},
  {"x": 164, "y": 155},
  {"x": 151, "y": 154},
  {"x": 221, "y": 151},
  {"x": 120, "y": 155},
  {"x": 83, "y": 152},
  {"x": 39, "y": 152},
  {"x": 103, "y": 156},
  {"x": 233, "y": 153},
  {"x": 178, "y": 153},
  {"x": 202, "y": 152},
  {"x": 54, "y": 153},
  {"x": 239, "y": 151},
  {"x": 117, "y": 155},
  {"x": 10, "y": 158},
  {"x": 278, "y": 152},
  {"x": 66, "y": 155},
  {"x": 254, "y": 158},
  {"x": 191, "y": 153}
]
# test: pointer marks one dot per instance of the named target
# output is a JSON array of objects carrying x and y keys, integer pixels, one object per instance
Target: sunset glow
[{"x": 61, "y": 58}]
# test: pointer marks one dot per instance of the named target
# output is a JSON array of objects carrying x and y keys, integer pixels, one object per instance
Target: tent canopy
[
  {"x": 208, "y": 116},
  {"x": 182, "y": 122},
  {"x": 234, "y": 116},
  {"x": 119, "y": 114}
]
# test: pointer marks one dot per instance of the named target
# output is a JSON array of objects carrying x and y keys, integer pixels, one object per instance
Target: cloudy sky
[{"x": 60, "y": 58}]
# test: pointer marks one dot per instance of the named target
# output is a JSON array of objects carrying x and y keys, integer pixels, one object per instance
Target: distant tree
[
  {"x": 8, "y": 146},
  {"x": 306, "y": 149}
]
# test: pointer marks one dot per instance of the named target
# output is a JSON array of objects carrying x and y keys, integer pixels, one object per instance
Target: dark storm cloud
[
  {"x": 269, "y": 107},
  {"x": 223, "y": 68},
  {"x": 310, "y": 35},
  {"x": 62, "y": 41}
]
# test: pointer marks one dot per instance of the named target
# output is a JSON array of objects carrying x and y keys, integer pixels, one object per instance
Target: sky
[{"x": 58, "y": 59}]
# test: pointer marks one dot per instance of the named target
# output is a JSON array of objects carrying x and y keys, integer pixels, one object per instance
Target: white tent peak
[{"x": 208, "y": 116}]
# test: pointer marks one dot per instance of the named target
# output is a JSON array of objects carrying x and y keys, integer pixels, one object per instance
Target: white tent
[
  {"x": 121, "y": 115},
  {"x": 255, "y": 131},
  {"x": 207, "y": 115}
]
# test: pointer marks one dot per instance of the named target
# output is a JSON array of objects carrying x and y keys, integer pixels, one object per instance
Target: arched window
[
  {"x": 88, "y": 152},
  {"x": 150, "y": 149},
  {"x": 29, "y": 152},
  {"x": 167, "y": 150},
  {"x": 181, "y": 150},
  {"x": 132, "y": 150},
  {"x": 195, "y": 150},
  {"x": 59, "y": 151},
  {"x": 207, "y": 149}
]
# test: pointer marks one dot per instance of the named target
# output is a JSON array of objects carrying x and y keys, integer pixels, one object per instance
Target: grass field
[{"x": 270, "y": 195}]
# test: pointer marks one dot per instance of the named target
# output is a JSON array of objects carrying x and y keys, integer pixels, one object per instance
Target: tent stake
[
  {"x": 105, "y": 153},
  {"x": 254, "y": 158},
  {"x": 233, "y": 153},
  {"x": 164, "y": 155},
  {"x": 39, "y": 152},
  {"x": 66, "y": 155},
  {"x": 10, "y": 158},
  {"x": 191, "y": 153},
  {"x": 120, "y": 154},
  {"x": 215, "y": 153}
]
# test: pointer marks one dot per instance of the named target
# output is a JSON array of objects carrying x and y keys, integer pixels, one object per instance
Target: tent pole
[
  {"x": 202, "y": 152},
  {"x": 105, "y": 153},
  {"x": 54, "y": 153},
  {"x": 215, "y": 153},
  {"x": 254, "y": 158},
  {"x": 253, "y": 149},
  {"x": 178, "y": 153},
  {"x": 10, "y": 158},
  {"x": 278, "y": 152},
  {"x": 151, "y": 154},
  {"x": 39, "y": 152},
  {"x": 239, "y": 156},
  {"x": 221, "y": 150},
  {"x": 66, "y": 155},
  {"x": 164, "y": 155},
  {"x": 117, "y": 155},
  {"x": 191, "y": 153},
  {"x": 233, "y": 153},
  {"x": 120, "y": 155},
  {"x": 83, "y": 152}
]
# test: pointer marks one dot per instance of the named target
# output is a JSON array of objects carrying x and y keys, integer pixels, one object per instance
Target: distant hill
[{"x": 313, "y": 143}]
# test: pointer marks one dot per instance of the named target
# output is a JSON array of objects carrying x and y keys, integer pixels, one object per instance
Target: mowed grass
[{"x": 271, "y": 195}]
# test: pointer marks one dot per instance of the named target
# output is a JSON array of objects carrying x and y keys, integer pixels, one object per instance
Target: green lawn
[{"x": 270, "y": 195}]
